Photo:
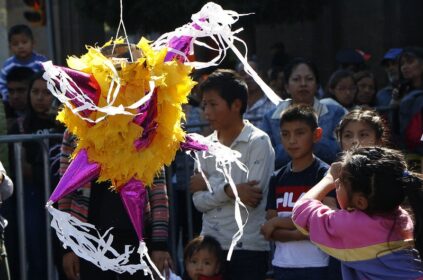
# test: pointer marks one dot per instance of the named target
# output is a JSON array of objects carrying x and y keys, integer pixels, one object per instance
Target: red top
[{"x": 215, "y": 277}]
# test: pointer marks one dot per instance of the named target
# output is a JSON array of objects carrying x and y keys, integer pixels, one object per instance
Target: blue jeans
[{"x": 306, "y": 273}]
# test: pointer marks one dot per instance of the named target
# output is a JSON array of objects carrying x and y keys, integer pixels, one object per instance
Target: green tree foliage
[{"x": 166, "y": 15}]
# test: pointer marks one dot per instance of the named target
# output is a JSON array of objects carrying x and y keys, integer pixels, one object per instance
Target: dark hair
[
  {"x": 301, "y": 112},
  {"x": 229, "y": 85},
  {"x": 36, "y": 76},
  {"x": 337, "y": 76},
  {"x": 274, "y": 72},
  {"x": 365, "y": 74},
  {"x": 292, "y": 65},
  {"x": 413, "y": 51},
  {"x": 205, "y": 242},
  {"x": 382, "y": 176},
  {"x": 19, "y": 74},
  {"x": 31, "y": 117},
  {"x": 403, "y": 84},
  {"x": 371, "y": 118},
  {"x": 20, "y": 29}
]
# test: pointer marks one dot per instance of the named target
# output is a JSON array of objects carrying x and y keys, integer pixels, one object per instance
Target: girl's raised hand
[{"x": 335, "y": 170}]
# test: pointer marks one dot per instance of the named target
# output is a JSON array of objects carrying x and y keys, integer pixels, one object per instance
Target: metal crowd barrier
[{"x": 43, "y": 140}]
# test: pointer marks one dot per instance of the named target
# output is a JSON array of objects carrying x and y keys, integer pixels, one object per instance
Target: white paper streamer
[
  {"x": 68, "y": 91},
  {"x": 78, "y": 236},
  {"x": 224, "y": 157},
  {"x": 215, "y": 23}
]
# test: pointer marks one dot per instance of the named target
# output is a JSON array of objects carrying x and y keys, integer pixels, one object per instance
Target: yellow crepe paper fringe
[{"x": 111, "y": 141}]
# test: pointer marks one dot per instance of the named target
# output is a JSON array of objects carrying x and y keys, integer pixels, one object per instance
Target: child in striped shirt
[{"x": 21, "y": 44}]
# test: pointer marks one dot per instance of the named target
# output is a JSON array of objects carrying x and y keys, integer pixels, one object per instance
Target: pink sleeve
[
  {"x": 325, "y": 226},
  {"x": 311, "y": 213},
  {"x": 344, "y": 229}
]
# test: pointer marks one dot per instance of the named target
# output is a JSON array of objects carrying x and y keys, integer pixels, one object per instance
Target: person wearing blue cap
[{"x": 390, "y": 65}]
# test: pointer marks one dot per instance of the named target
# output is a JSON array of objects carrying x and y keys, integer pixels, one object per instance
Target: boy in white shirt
[{"x": 224, "y": 102}]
